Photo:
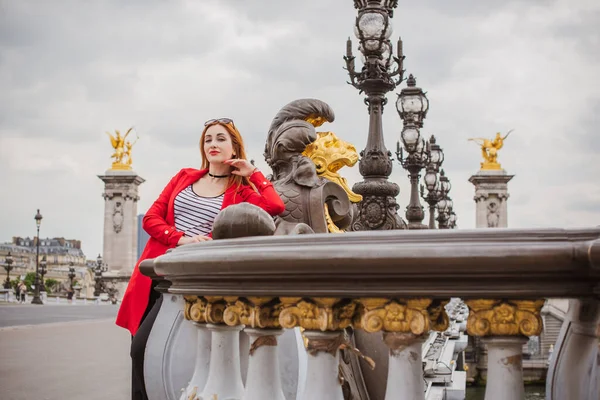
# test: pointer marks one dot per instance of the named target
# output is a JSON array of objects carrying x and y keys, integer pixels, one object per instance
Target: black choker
[{"x": 219, "y": 176}]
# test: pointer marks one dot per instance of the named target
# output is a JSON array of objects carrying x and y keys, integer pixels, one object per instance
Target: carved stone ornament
[
  {"x": 410, "y": 316},
  {"x": 493, "y": 214},
  {"x": 321, "y": 313},
  {"x": 415, "y": 316},
  {"x": 295, "y": 177},
  {"x": 504, "y": 318},
  {"x": 118, "y": 216},
  {"x": 205, "y": 309},
  {"x": 254, "y": 312}
]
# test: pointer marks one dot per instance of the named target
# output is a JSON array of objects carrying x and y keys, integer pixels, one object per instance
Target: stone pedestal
[
  {"x": 120, "y": 220},
  {"x": 491, "y": 195}
]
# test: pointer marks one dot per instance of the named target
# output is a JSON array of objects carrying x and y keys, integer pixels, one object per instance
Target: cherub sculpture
[{"x": 489, "y": 150}]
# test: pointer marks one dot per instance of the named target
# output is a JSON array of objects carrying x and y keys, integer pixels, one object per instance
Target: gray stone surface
[
  {"x": 491, "y": 196},
  {"x": 120, "y": 220},
  {"x": 30, "y": 314},
  {"x": 65, "y": 361}
]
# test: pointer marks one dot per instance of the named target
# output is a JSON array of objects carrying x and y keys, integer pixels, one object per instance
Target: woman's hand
[
  {"x": 244, "y": 167},
  {"x": 192, "y": 239}
]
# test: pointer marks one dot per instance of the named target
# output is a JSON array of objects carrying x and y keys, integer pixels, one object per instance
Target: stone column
[
  {"x": 491, "y": 195},
  {"x": 504, "y": 326},
  {"x": 120, "y": 220}
]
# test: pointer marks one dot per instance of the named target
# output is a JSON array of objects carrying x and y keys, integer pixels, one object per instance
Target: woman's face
[{"x": 217, "y": 144}]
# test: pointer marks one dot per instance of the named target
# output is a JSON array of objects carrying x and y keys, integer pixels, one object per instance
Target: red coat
[{"x": 159, "y": 222}]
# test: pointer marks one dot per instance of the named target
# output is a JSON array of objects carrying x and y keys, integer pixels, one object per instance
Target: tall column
[
  {"x": 120, "y": 220},
  {"x": 491, "y": 196}
]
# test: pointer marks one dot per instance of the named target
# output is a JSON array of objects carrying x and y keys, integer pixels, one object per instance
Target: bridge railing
[{"x": 391, "y": 287}]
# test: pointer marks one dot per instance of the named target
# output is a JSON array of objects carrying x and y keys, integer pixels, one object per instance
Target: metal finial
[{"x": 411, "y": 81}]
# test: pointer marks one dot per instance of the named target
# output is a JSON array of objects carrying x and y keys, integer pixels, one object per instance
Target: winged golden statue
[
  {"x": 122, "y": 147},
  {"x": 489, "y": 150}
]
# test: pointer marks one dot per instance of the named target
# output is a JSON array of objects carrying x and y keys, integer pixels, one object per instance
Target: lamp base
[{"x": 37, "y": 300}]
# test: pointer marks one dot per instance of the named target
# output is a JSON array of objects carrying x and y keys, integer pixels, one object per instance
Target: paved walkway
[{"x": 80, "y": 360}]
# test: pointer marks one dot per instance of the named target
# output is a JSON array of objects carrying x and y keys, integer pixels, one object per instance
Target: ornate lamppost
[
  {"x": 36, "y": 291},
  {"x": 8, "y": 260},
  {"x": 43, "y": 271},
  {"x": 381, "y": 73},
  {"x": 445, "y": 204},
  {"x": 71, "y": 274},
  {"x": 452, "y": 220},
  {"x": 99, "y": 269},
  {"x": 412, "y": 106},
  {"x": 436, "y": 158}
]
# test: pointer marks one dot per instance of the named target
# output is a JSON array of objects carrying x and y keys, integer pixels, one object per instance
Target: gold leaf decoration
[{"x": 504, "y": 317}]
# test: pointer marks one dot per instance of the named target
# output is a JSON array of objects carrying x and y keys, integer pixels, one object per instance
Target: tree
[
  {"x": 51, "y": 284},
  {"x": 29, "y": 280}
]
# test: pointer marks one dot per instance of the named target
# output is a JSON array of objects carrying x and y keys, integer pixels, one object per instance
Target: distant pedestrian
[
  {"x": 22, "y": 291},
  {"x": 70, "y": 295},
  {"x": 18, "y": 292}
]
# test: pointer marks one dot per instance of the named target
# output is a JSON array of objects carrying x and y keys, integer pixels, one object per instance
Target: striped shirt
[{"x": 194, "y": 214}]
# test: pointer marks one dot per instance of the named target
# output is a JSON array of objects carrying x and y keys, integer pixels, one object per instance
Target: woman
[{"x": 184, "y": 213}]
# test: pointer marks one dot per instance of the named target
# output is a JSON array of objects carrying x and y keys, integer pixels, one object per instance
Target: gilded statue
[
  {"x": 489, "y": 150},
  {"x": 122, "y": 155},
  {"x": 330, "y": 154}
]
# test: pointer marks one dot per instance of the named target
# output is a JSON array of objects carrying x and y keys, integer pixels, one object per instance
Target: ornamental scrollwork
[
  {"x": 410, "y": 316},
  {"x": 254, "y": 312},
  {"x": 321, "y": 313},
  {"x": 204, "y": 309},
  {"x": 504, "y": 318}
]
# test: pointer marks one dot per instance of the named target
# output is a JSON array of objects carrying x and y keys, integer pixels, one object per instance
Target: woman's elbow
[{"x": 277, "y": 208}]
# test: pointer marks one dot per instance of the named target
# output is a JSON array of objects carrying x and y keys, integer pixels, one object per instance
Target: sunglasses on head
[{"x": 225, "y": 121}]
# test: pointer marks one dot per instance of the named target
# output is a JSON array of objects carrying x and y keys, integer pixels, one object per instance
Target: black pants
[{"x": 138, "y": 346}]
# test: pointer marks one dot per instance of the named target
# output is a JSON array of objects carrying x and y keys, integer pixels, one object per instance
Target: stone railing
[{"x": 377, "y": 293}]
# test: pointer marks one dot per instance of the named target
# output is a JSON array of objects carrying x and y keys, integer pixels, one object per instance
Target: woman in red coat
[{"x": 184, "y": 213}]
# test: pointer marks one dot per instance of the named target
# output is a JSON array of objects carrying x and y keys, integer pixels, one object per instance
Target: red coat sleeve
[
  {"x": 154, "y": 221},
  {"x": 267, "y": 197}
]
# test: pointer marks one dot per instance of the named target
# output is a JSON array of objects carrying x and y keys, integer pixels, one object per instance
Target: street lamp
[
  {"x": 100, "y": 267},
  {"x": 36, "y": 292},
  {"x": 8, "y": 260},
  {"x": 452, "y": 220},
  {"x": 71, "y": 273},
  {"x": 432, "y": 183},
  {"x": 381, "y": 73},
  {"x": 43, "y": 271},
  {"x": 412, "y": 106},
  {"x": 444, "y": 205}
]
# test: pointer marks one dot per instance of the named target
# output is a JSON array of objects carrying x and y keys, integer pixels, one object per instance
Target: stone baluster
[
  {"x": 224, "y": 376},
  {"x": 504, "y": 325},
  {"x": 323, "y": 320},
  {"x": 263, "y": 381},
  {"x": 260, "y": 316},
  {"x": 322, "y": 375},
  {"x": 405, "y": 368},
  {"x": 201, "y": 367},
  {"x": 405, "y": 324},
  {"x": 224, "y": 379}
]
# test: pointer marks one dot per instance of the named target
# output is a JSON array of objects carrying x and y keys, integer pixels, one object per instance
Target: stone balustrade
[{"x": 341, "y": 304}]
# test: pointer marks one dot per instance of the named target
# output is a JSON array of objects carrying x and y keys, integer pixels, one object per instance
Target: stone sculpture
[{"x": 310, "y": 200}]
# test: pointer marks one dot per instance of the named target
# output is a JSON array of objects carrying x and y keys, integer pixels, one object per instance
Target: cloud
[{"x": 70, "y": 71}]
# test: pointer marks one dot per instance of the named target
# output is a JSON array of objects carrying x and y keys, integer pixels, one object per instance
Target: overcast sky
[{"x": 71, "y": 70}]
